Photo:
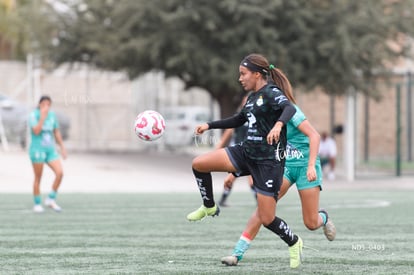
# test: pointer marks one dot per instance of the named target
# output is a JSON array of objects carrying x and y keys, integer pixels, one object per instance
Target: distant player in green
[
  {"x": 303, "y": 168},
  {"x": 45, "y": 134},
  {"x": 260, "y": 155}
]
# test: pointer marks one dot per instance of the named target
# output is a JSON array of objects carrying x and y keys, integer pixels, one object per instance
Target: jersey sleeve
[
  {"x": 55, "y": 121},
  {"x": 277, "y": 99},
  {"x": 298, "y": 117}
]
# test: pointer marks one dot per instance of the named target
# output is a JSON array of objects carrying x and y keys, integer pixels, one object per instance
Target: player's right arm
[
  {"x": 231, "y": 122},
  {"x": 37, "y": 127}
]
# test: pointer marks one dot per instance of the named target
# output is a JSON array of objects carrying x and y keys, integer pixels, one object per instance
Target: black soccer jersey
[
  {"x": 262, "y": 110},
  {"x": 240, "y": 133}
]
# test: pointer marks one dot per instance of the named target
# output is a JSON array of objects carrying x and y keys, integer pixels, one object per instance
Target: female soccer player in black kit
[{"x": 261, "y": 155}]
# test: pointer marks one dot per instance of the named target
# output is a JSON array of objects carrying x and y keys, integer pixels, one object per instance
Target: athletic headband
[{"x": 255, "y": 68}]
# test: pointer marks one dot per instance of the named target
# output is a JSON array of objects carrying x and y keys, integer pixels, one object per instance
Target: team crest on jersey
[{"x": 259, "y": 102}]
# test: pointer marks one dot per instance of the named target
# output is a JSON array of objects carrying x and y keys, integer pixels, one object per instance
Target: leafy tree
[
  {"x": 9, "y": 31},
  {"x": 333, "y": 44}
]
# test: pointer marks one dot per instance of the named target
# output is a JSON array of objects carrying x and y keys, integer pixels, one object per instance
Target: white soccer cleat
[
  {"x": 52, "y": 204},
  {"x": 229, "y": 260},
  {"x": 329, "y": 228},
  {"x": 38, "y": 208}
]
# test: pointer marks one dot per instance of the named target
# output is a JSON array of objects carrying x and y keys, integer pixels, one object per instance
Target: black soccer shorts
[{"x": 267, "y": 174}]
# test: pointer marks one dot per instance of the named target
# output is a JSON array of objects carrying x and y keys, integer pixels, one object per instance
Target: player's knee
[
  {"x": 197, "y": 164},
  {"x": 312, "y": 223},
  {"x": 59, "y": 174},
  {"x": 266, "y": 219}
]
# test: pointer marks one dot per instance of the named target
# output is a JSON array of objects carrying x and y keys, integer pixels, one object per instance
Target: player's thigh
[
  {"x": 286, "y": 184},
  {"x": 266, "y": 208},
  {"x": 56, "y": 167},
  {"x": 267, "y": 176},
  {"x": 38, "y": 158},
  {"x": 217, "y": 160},
  {"x": 38, "y": 169}
]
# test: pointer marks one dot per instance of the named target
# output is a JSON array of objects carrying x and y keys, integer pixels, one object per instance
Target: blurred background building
[{"x": 351, "y": 66}]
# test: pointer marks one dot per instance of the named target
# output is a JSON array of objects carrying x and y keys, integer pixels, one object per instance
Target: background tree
[
  {"x": 9, "y": 31},
  {"x": 333, "y": 44}
]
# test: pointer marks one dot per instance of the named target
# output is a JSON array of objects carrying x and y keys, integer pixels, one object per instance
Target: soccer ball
[{"x": 149, "y": 125}]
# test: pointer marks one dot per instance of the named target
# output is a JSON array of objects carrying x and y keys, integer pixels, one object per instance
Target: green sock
[
  {"x": 52, "y": 195},
  {"x": 323, "y": 216},
  {"x": 242, "y": 245},
  {"x": 37, "y": 199}
]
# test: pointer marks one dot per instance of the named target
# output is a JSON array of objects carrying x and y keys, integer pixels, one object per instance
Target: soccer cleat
[
  {"x": 52, "y": 204},
  {"x": 238, "y": 252},
  {"x": 38, "y": 208},
  {"x": 295, "y": 252},
  {"x": 203, "y": 212},
  {"x": 229, "y": 260},
  {"x": 329, "y": 228}
]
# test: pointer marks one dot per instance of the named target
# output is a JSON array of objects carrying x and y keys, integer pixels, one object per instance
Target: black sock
[
  {"x": 280, "y": 228},
  {"x": 205, "y": 184}
]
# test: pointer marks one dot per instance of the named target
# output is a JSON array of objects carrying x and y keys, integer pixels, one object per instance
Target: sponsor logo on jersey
[
  {"x": 254, "y": 138},
  {"x": 293, "y": 153},
  {"x": 280, "y": 99},
  {"x": 259, "y": 102}
]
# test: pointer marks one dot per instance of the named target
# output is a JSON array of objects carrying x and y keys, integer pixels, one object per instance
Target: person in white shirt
[{"x": 327, "y": 154}]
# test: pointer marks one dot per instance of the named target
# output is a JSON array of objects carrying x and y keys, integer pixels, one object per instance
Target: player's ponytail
[{"x": 280, "y": 79}]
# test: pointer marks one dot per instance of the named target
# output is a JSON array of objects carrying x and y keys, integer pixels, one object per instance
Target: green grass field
[{"x": 148, "y": 234}]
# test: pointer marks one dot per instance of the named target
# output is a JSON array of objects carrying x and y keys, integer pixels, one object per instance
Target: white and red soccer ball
[{"x": 149, "y": 125}]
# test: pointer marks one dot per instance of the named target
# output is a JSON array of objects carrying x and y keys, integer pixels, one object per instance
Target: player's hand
[
  {"x": 63, "y": 153},
  {"x": 274, "y": 134},
  {"x": 228, "y": 181},
  {"x": 44, "y": 110},
  {"x": 201, "y": 128},
  {"x": 311, "y": 173}
]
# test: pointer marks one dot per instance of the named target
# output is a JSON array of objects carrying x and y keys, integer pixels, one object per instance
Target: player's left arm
[
  {"x": 314, "y": 139},
  {"x": 59, "y": 139}
]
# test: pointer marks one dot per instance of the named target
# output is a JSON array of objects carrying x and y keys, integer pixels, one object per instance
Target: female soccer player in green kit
[
  {"x": 302, "y": 167},
  {"x": 44, "y": 129}
]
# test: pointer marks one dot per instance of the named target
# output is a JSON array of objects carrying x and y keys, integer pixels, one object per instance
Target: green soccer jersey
[
  {"x": 297, "y": 149},
  {"x": 46, "y": 138},
  {"x": 262, "y": 110}
]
